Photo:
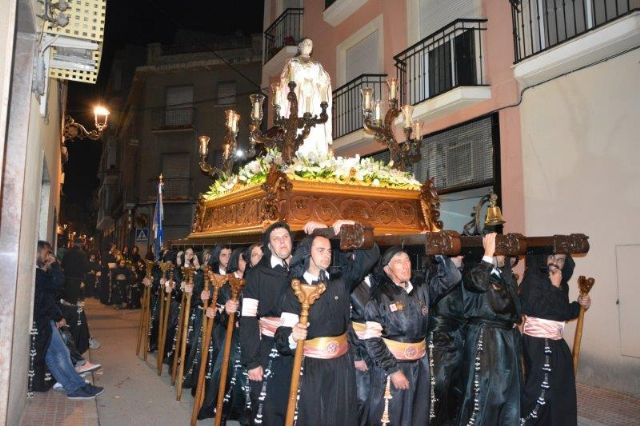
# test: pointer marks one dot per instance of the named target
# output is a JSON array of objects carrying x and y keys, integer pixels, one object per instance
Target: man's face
[
  {"x": 225, "y": 254},
  {"x": 556, "y": 261},
  {"x": 399, "y": 268},
  {"x": 321, "y": 253},
  {"x": 43, "y": 255},
  {"x": 280, "y": 243},
  {"x": 188, "y": 255}
]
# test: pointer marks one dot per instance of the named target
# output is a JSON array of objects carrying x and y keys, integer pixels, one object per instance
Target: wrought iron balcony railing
[
  {"x": 539, "y": 25},
  {"x": 448, "y": 58},
  {"x": 174, "y": 189},
  {"x": 173, "y": 118},
  {"x": 286, "y": 30},
  {"x": 347, "y": 103}
]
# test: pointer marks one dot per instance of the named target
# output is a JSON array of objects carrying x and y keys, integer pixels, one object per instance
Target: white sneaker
[
  {"x": 94, "y": 344},
  {"x": 58, "y": 387}
]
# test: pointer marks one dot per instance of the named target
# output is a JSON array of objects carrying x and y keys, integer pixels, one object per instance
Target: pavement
[{"x": 136, "y": 395}]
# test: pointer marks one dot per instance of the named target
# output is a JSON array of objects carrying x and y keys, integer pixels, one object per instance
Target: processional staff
[
  {"x": 218, "y": 281},
  {"x": 585, "y": 285},
  {"x": 307, "y": 295},
  {"x": 188, "y": 289},
  {"x": 144, "y": 315},
  {"x": 165, "y": 304},
  {"x": 236, "y": 285}
]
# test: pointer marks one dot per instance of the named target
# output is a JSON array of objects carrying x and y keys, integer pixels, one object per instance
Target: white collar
[
  {"x": 408, "y": 287},
  {"x": 222, "y": 270},
  {"x": 367, "y": 280},
  {"x": 275, "y": 261},
  {"x": 237, "y": 274},
  {"x": 309, "y": 277}
]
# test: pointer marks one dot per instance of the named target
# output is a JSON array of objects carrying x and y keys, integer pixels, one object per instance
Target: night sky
[{"x": 138, "y": 22}]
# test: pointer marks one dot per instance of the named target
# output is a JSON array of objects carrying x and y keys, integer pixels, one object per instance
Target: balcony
[
  {"x": 281, "y": 40},
  {"x": 346, "y": 113},
  {"x": 174, "y": 189},
  {"x": 444, "y": 72},
  {"x": 552, "y": 38},
  {"x": 337, "y": 11},
  {"x": 173, "y": 119}
]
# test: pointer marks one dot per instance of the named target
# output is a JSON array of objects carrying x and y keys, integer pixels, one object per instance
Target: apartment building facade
[
  {"x": 514, "y": 100},
  {"x": 181, "y": 91}
]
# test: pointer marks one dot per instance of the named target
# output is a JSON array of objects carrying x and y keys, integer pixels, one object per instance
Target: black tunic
[
  {"x": 359, "y": 298},
  {"x": 329, "y": 316},
  {"x": 447, "y": 329},
  {"x": 408, "y": 324},
  {"x": 265, "y": 284},
  {"x": 541, "y": 299},
  {"x": 491, "y": 307}
]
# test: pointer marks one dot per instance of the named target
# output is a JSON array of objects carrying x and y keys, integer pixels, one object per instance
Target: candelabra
[
  {"x": 73, "y": 130},
  {"x": 403, "y": 154},
  {"x": 228, "y": 148},
  {"x": 284, "y": 134}
]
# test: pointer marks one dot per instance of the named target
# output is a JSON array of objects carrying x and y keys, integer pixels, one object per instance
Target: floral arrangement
[{"x": 329, "y": 169}]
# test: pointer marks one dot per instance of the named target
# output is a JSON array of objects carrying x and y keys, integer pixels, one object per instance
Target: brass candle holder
[
  {"x": 403, "y": 154},
  {"x": 229, "y": 146}
]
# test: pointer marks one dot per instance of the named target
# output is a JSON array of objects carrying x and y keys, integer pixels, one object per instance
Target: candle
[
  {"x": 308, "y": 106},
  {"x": 378, "y": 111},
  {"x": 227, "y": 151},
  {"x": 275, "y": 94},
  {"x": 236, "y": 120},
  {"x": 417, "y": 130},
  {"x": 257, "y": 109},
  {"x": 367, "y": 98},
  {"x": 407, "y": 111},
  {"x": 324, "y": 94},
  {"x": 393, "y": 88},
  {"x": 257, "y": 100},
  {"x": 204, "y": 145}
]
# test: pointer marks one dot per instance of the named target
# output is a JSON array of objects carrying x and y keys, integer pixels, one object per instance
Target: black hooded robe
[
  {"x": 265, "y": 284},
  {"x": 404, "y": 317},
  {"x": 359, "y": 298},
  {"x": 541, "y": 299},
  {"x": 491, "y": 365},
  {"x": 446, "y": 333},
  {"x": 332, "y": 379}
]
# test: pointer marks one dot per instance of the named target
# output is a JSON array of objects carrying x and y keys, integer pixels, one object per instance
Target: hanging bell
[{"x": 494, "y": 214}]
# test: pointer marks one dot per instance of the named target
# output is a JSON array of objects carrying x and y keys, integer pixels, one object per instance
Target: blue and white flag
[{"x": 158, "y": 217}]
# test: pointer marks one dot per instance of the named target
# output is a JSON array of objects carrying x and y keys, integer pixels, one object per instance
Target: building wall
[
  {"x": 580, "y": 149},
  {"x": 31, "y": 141},
  {"x": 398, "y": 32}
]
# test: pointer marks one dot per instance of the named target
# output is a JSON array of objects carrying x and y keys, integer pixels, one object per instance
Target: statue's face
[{"x": 306, "y": 46}]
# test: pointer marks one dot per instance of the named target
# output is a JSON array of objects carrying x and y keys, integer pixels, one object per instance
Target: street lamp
[{"x": 73, "y": 130}]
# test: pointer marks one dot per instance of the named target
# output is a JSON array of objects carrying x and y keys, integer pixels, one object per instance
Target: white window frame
[{"x": 376, "y": 24}]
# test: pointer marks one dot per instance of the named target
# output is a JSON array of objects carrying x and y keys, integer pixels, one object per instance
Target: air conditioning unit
[{"x": 76, "y": 48}]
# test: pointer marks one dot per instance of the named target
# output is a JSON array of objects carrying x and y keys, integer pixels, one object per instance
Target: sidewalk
[{"x": 136, "y": 395}]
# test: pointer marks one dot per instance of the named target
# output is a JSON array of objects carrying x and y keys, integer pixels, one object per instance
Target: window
[
  {"x": 461, "y": 157},
  {"x": 227, "y": 93},
  {"x": 176, "y": 170},
  {"x": 435, "y": 14},
  {"x": 179, "y": 106},
  {"x": 362, "y": 58}
]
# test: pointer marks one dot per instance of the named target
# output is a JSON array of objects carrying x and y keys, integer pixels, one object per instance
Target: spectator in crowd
[
  {"x": 76, "y": 265},
  {"x": 48, "y": 318}
]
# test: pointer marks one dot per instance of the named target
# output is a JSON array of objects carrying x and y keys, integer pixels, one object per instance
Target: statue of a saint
[{"x": 313, "y": 86}]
